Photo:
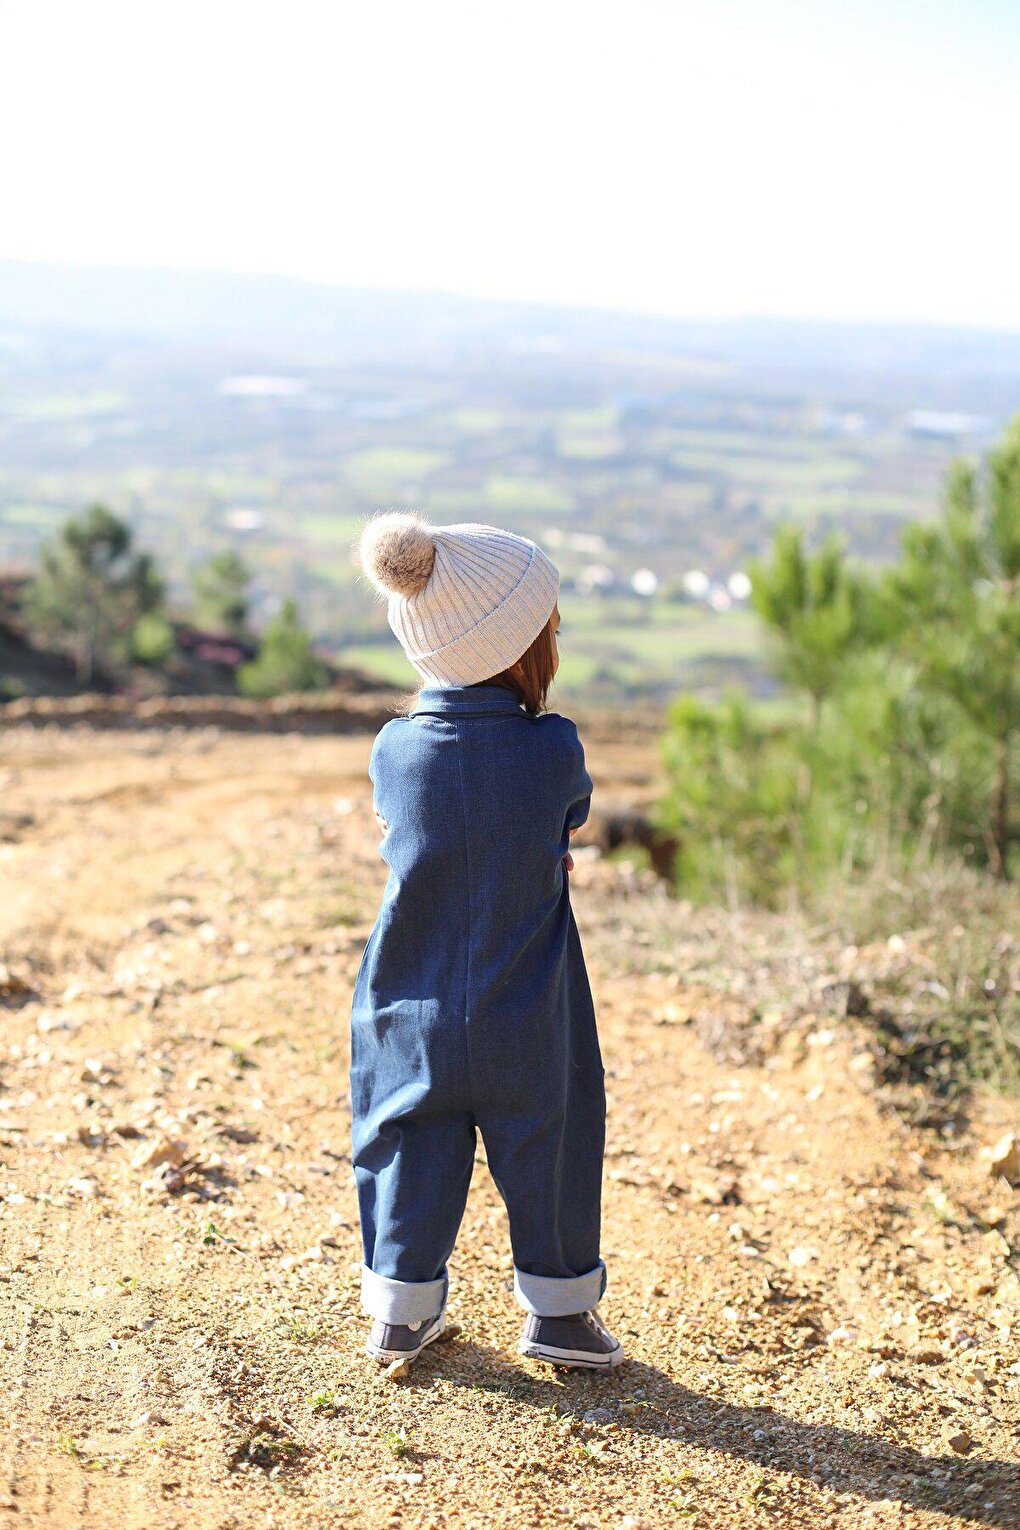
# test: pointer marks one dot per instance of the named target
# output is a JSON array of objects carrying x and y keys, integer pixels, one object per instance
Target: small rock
[
  {"x": 846, "y": 998},
  {"x": 169, "y": 1179},
  {"x": 242, "y": 1134},
  {"x": 1004, "y": 1158},
  {"x": 12, "y": 984},
  {"x": 599, "y": 1416},
  {"x": 396, "y": 1370},
  {"x": 676, "y": 1014},
  {"x": 722, "y": 1192},
  {"x": 958, "y": 1440},
  {"x": 51, "y": 1020},
  {"x": 162, "y": 1150},
  {"x": 799, "y": 1257}
]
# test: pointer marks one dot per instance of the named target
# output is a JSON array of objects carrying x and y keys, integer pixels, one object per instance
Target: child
[{"x": 471, "y": 1005}]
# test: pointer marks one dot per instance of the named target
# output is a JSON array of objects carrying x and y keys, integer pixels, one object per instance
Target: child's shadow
[{"x": 982, "y": 1492}]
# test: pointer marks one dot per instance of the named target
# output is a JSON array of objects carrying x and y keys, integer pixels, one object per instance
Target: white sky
[{"x": 837, "y": 158}]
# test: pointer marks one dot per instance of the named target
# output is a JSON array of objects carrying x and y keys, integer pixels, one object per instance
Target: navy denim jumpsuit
[{"x": 472, "y": 1007}]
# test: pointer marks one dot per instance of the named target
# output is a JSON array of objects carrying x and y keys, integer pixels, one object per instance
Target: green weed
[
  {"x": 397, "y": 1443},
  {"x": 300, "y": 1330},
  {"x": 68, "y": 1446},
  {"x": 761, "y": 1493},
  {"x": 266, "y": 1447}
]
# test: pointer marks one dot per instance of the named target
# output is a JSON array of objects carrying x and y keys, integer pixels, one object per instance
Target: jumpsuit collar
[{"x": 465, "y": 699}]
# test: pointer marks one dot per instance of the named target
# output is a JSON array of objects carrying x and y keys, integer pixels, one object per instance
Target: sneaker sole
[
  {"x": 388, "y": 1356},
  {"x": 572, "y": 1359}
]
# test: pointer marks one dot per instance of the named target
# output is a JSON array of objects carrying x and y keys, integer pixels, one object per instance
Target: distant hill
[{"x": 358, "y": 325}]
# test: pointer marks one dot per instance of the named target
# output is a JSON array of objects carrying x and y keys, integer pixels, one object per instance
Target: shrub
[
  {"x": 286, "y": 661},
  {"x": 152, "y": 641}
]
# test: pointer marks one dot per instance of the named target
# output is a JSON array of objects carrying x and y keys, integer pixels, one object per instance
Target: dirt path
[{"x": 819, "y": 1304}]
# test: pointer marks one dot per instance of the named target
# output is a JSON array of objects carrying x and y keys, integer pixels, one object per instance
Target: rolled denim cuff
[
  {"x": 402, "y": 1301},
  {"x": 545, "y": 1296}
]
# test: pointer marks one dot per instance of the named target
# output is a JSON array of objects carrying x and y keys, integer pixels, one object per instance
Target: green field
[
  {"x": 34, "y": 517},
  {"x": 765, "y": 472},
  {"x": 65, "y": 407},
  {"x": 330, "y": 530},
  {"x": 387, "y": 470},
  {"x": 521, "y": 496},
  {"x": 602, "y": 655},
  {"x": 616, "y": 461}
]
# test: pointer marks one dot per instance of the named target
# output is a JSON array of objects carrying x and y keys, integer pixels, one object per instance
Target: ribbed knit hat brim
[{"x": 480, "y": 606}]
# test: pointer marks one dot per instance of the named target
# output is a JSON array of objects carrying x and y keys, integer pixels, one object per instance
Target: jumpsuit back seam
[{"x": 470, "y": 909}]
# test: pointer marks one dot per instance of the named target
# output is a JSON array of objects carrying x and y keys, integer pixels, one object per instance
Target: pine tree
[
  {"x": 816, "y": 608},
  {"x": 91, "y": 590},
  {"x": 221, "y": 593},
  {"x": 954, "y": 602},
  {"x": 286, "y": 660}
]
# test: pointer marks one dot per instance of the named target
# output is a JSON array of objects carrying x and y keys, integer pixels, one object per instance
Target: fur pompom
[{"x": 397, "y": 551}]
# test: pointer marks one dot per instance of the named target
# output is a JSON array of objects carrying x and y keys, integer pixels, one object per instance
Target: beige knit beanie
[{"x": 465, "y": 601}]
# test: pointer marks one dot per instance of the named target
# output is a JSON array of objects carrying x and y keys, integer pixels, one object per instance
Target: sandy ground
[{"x": 819, "y": 1303}]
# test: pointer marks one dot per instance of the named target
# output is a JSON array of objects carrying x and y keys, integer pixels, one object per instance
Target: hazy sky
[{"x": 850, "y": 159}]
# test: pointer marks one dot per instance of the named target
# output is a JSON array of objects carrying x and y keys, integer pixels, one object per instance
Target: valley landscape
[
  {"x": 812, "y": 1218},
  {"x": 651, "y": 457},
  {"x": 718, "y": 306}
]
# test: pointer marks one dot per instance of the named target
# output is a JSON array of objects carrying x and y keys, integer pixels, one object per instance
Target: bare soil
[{"x": 818, "y": 1299}]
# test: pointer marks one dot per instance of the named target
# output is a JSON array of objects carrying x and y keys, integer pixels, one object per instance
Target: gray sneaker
[
  {"x": 403, "y": 1341},
  {"x": 582, "y": 1340}
]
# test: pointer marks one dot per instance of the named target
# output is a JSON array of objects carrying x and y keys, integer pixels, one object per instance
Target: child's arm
[
  {"x": 372, "y": 775},
  {"x": 580, "y": 797},
  {"x": 581, "y": 789}
]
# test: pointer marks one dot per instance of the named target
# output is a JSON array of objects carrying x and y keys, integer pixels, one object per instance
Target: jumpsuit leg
[
  {"x": 545, "y": 1140},
  {"x": 549, "y": 1174},
  {"x": 412, "y": 1173}
]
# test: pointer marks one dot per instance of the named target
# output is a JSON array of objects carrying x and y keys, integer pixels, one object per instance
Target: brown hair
[{"x": 529, "y": 677}]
